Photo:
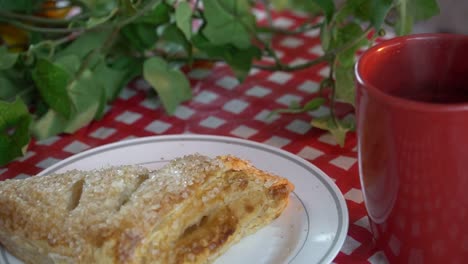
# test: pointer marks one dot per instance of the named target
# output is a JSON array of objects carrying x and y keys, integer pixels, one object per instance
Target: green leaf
[
  {"x": 281, "y": 4},
  {"x": 210, "y": 49},
  {"x": 7, "y": 59},
  {"x": 296, "y": 108},
  {"x": 113, "y": 81},
  {"x": 14, "y": 130},
  {"x": 113, "y": 78},
  {"x": 128, "y": 7},
  {"x": 142, "y": 36},
  {"x": 344, "y": 84},
  {"x": 52, "y": 81},
  {"x": 325, "y": 37},
  {"x": 378, "y": 11},
  {"x": 314, "y": 104},
  {"x": 183, "y": 17},
  {"x": 8, "y": 89},
  {"x": 411, "y": 11},
  {"x": 176, "y": 41},
  {"x": 294, "y": 105},
  {"x": 240, "y": 60},
  {"x": 357, "y": 8},
  {"x": 101, "y": 110},
  {"x": 404, "y": 25},
  {"x": 338, "y": 128},
  {"x": 328, "y": 7},
  {"x": 171, "y": 85},
  {"x": 87, "y": 95},
  {"x": 345, "y": 35},
  {"x": 85, "y": 43},
  {"x": 373, "y": 11},
  {"x": 69, "y": 63},
  {"x": 100, "y": 8},
  {"x": 25, "y": 6},
  {"x": 51, "y": 123},
  {"x": 160, "y": 14},
  {"x": 306, "y": 6},
  {"x": 422, "y": 9},
  {"x": 228, "y": 22},
  {"x": 94, "y": 21},
  {"x": 16, "y": 83}
]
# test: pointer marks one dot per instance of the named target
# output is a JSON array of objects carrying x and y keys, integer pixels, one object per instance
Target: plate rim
[{"x": 340, "y": 202}]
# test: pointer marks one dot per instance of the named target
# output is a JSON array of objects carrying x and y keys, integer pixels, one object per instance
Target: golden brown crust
[{"x": 190, "y": 211}]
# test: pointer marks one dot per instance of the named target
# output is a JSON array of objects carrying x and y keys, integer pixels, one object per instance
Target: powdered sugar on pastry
[{"x": 189, "y": 211}]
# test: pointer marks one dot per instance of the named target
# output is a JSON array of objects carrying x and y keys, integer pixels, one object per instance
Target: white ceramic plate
[{"x": 312, "y": 229}]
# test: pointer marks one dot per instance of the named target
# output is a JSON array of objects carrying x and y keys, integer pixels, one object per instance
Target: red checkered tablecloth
[{"x": 223, "y": 106}]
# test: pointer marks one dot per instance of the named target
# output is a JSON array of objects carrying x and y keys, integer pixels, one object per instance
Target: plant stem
[
  {"x": 39, "y": 20},
  {"x": 110, "y": 40},
  {"x": 195, "y": 5},
  {"x": 42, "y": 29},
  {"x": 185, "y": 59},
  {"x": 266, "y": 4},
  {"x": 354, "y": 42},
  {"x": 326, "y": 57},
  {"x": 52, "y": 44},
  {"x": 290, "y": 68},
  {"x": 304, "y": 28},
  {"x": 403, "y": 17},
  {"x": 139, "y": 13},
  {"x": 333, "y": 91},
  {"x": 269, "y": 50},
  {"x": 22, "y": 93}
]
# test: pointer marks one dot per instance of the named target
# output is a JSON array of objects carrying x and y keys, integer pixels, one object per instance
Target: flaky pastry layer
[{"x": 190, "y": 211}]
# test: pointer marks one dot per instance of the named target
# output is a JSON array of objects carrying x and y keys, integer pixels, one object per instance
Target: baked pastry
[{"x": 190, "y": 211}]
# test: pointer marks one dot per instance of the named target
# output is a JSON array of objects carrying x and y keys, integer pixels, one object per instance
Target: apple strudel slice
[{"x": 190, "y": 211}]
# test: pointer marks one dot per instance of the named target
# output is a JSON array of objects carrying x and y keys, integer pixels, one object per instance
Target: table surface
[{"x": 223, "y": 106}]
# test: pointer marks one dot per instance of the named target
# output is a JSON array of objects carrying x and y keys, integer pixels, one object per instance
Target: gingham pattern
[{"x": 222, "y": 106}]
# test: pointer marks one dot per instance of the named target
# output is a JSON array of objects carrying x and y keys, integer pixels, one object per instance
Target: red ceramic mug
[{"x": 412, "y": 125}]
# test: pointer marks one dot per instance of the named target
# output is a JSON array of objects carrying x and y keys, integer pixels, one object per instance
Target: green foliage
[
  {"x": 115, "y": 76},
  {"x": 159, "y": 14},
  {"x": 183, "y": 17},
  {"x": 176, "y": 41},
  {"x": 411, "y": 11},
  {"x": 297, "y": 108},
  {"x": 14, "y": 134},
  {"x": 347, "y": 35},
  {"x": 19, "y": 5},
  {"x": 100, "y": 8},
  {"x": 8, "y": 90},
  {"x": 374, "y": 11},
  {"x": 51, "y": 81},
  {"x": 8, "y": 58},
  {"x": 344, "y": 84},
  {"x": 14, "y": 84},
  {"x": 328, "y": 7},
  {"x": 142, "y": 36},
  {"x": 171, "y": 84},
  {"x": 338, "y": 128},
  {"x": 87, "y": 96},
  {"x": 74, "y": 66},
  {"x": 240, "y": 60},
  {"x": 229, "y": 22},
  {"x": 307, "y": 6},
  {"x": 84, "y": 44}
]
